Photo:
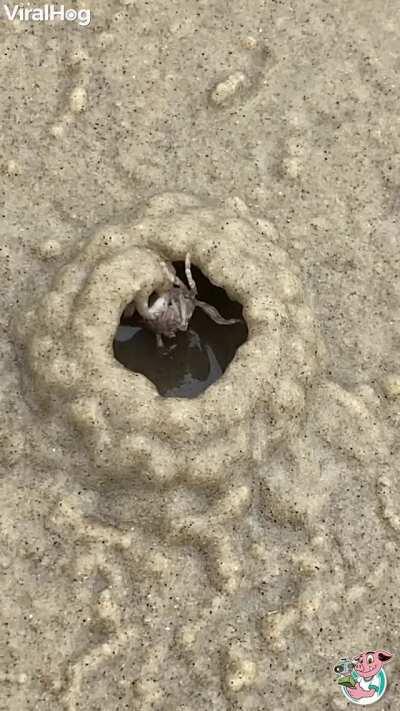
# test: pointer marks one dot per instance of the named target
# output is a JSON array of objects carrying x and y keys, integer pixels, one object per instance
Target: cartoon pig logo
[{"x": 363, "y": 679}]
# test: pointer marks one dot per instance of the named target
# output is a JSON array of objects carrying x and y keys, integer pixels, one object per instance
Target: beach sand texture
[{"x": 222, "y": 552}]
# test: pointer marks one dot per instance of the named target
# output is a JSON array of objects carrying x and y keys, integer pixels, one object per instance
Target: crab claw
[{"x": 215, "y": 315}]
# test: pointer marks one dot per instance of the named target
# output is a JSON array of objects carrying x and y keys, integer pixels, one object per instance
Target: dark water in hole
[{"x": 189, "y": 363}]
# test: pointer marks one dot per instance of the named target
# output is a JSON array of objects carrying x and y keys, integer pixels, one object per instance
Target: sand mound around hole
[{"x": 66, "y": 339}]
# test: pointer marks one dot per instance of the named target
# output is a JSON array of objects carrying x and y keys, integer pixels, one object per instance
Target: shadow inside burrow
[{"x": 189, "y": 363}]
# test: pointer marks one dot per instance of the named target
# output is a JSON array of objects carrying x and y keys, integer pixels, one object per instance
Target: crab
[{"x": 174, "y": 307}]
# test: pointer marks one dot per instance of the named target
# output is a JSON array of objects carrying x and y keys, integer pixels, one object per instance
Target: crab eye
[{"x": 370, "y": 659}]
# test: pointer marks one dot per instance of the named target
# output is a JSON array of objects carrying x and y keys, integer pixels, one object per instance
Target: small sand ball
[
  {"x": 391, "y": 386},
  {"x": 225, "y": 90},
  {"x": 78, "y": 99},
  {"x": 105, "y": 39},
  {"x": 50, "y": 248},
  {"x": 249, "y": 42},
  {"x": 13, "y": 167},
  {"x": 241, "y": 670},
  {"x": 57, "y": 130}
]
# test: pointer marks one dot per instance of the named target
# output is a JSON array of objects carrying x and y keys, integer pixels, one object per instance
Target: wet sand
[{"x": 239, "y": 593}]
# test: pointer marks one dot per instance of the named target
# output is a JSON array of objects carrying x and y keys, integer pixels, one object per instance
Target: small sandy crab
[{"x": 173, "y": 308}]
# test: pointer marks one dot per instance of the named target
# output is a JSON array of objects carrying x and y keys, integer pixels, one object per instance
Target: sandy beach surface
[{"x": 237, "y": 580}]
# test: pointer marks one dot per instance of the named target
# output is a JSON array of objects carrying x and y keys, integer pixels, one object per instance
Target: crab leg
[
  {"x": 189, "y": 277},
  {"x": 214, "y": 315},
  {"x": 169, "y": 271},
  {"x": 172, "y": 275},
  {"x": 179, "y": 282}
]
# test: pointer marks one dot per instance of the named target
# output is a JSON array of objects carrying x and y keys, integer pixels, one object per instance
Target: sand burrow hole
[{"x": 194, "y": 359}]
